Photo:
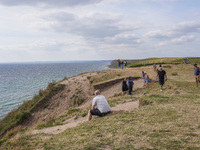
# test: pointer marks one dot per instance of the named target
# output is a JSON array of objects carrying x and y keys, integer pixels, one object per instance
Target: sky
[{"x": 64, "y": 30}]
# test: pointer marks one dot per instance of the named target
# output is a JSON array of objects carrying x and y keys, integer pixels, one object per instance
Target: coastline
[{"x": 20, "y": 86}]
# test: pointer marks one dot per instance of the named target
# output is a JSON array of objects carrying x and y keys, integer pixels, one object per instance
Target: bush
[
  {"x": 167, "y": 66},
  {"x": 84, "y": 114},
  {"x": 71, "y": 111},
  {"x": 174, "y": 74},
  {"x": 88, "y": 77},
  {"x": 21, "y": 116}
]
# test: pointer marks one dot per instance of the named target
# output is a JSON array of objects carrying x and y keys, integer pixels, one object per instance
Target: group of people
[
  {"x": 161, "y": 76},
  {"x": 122, "y": 64},
  {"x": 100, "y": 106},
  {"x": 127, "y": 87}
]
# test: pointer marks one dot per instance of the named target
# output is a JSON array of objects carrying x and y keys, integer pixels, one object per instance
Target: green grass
[
  {"x": 109, "y": 75},
  {"x": 151, "y": 61}
]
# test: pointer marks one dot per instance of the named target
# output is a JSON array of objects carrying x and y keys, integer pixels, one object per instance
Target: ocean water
[{"x": 21, "y": 81}]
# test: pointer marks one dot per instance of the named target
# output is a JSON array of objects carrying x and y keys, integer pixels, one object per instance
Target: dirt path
[{"x": 59, "y": 129}]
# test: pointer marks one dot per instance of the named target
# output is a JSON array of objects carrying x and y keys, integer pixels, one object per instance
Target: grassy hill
[
  {"x": 151, "y": 61},
  {"x": 167, "y": 120}
]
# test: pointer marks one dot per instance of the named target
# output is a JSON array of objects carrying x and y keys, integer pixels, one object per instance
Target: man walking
[
  {"x": 100, "y": 106},
  {"x": 162, "y": 77},
  {"x": 196, "y": 74}
]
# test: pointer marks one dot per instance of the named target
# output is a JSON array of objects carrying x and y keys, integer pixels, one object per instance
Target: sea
[{"x": 21, "y": 81}]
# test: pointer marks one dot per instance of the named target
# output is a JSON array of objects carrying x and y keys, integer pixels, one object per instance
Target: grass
[
  {"x": 108, "y": 75},
  {"x": 171, "y": 120},
  {"x": 72, "y": 112},
  {"x": 151, "y": 61}
]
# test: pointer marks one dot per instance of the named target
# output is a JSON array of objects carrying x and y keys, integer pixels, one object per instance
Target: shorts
[
  {"x": 161, "y": 82},
  {"x": 148, "y": 80},
  {"x": 96, "y": 112}
]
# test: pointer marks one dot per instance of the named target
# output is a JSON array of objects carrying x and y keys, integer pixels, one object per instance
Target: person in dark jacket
[
  {"x": 124, "y": 86},
  {"x": 162, "y": 76},
  {"x": 130, "y": 85}
]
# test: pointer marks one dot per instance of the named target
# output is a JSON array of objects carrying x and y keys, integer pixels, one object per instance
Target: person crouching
[{"x": 100, "y": 106}]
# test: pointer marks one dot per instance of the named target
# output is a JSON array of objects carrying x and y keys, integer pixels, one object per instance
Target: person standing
[
  {"x": 122, "y": 64},
  {"x": 147, "y": 80},
  {"x": 124, "y": 86},
  {"x": 130, "y": 85},
  {"x": 125, "y": 64},
  {"x": 162, "y": 77},
  {"x": 119, "y": 63},
  {"x": 154, "y": 67},
  {"x": 143, "y": 77},
  {"x": 100, "y": 106},
  {"x": 196, "y": 74}
]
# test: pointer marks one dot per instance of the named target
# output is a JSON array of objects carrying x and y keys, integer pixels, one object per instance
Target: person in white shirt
[{"x": 100, "y": 106}]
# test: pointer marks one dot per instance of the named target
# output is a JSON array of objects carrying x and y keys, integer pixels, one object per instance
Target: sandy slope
[{"x": 109, "y": 91}]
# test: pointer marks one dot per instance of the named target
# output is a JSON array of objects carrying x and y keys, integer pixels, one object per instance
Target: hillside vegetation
[
  {"x": 151, "y": 61},
  {"x": 166, "y": 120}
]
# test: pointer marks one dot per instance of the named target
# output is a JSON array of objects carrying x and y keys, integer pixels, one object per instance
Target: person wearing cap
[
  {"x": 130, "y": 85},
  {"x": 196, "y": 74},
  {"x": 162, "y": 77},
  {"x": 100, "y": 106}
]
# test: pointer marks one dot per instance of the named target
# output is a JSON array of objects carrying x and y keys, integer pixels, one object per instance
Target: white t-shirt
[{"x": 101, "y": 103}]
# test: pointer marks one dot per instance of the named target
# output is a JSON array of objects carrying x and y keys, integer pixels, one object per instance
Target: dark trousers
[{"x": 130, "y": 90}]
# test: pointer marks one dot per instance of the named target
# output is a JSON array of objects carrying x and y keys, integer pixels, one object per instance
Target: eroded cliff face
[{"x": 73, "y": 92}]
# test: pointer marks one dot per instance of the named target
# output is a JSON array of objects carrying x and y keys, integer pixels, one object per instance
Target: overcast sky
[{"x": 63, "y": 30}]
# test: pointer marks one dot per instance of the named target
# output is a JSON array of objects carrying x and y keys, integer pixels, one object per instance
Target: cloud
[
  {"x": 183, "y": 39},
  {"x": 186, "y": 27},
  {"x": 45, "y": 45},
  {"x": 123, "y": 38},
  {"x": 54, "y": 3},
  {"x": 159, "y": 34},
  {"x": 178, "y": 40},
  {"x": 96, "y": 25},
  {"x": 180, "y": 29}
]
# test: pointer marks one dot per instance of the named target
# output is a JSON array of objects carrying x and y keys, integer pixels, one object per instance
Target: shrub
[
  {"x": 167, "y": 66},
  {"x": 21, "y": 116},
  {"x": 84, "y": 114},
  {"x": 71, "y": 111},
  {"x": 174, "y": 74}
]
